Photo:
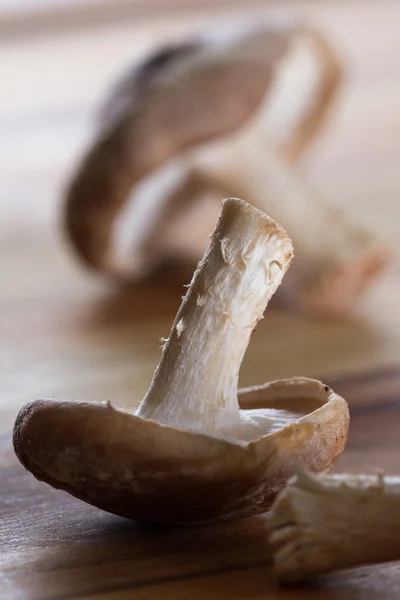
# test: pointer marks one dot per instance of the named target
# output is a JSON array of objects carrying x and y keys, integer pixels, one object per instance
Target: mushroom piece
[
  {"x": 223, "y": 114},
  {"x": 323, "y": 524},
  {"x": 196, "y": 449}
]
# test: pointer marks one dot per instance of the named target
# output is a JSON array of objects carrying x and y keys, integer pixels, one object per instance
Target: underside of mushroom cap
[{"x": 143, "y": 470}]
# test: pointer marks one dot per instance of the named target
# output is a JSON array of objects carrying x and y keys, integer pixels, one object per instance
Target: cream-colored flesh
[{"x": 264, "y": 421}]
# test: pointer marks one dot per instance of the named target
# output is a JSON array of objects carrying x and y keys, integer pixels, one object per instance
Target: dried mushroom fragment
[
  {"x": 334, "y": 522},
  {"x": 196, "y": 450},
  {"x": 230, "y": 110}
]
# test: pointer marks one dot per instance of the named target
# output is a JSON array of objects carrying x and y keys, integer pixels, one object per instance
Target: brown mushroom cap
[
  {"x": 179, "y": 98},
  {"x": 143, "y": 470}
]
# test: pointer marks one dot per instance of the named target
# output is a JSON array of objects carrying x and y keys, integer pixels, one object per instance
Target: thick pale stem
[
  {"x": 334, "y": 522},
  {"x": 195, "y": 385}
]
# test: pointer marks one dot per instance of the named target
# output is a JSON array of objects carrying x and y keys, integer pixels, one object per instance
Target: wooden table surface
[{"x": 64, "y": 333}]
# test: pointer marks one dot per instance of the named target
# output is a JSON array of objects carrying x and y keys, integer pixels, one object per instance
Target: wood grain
[{"x": 53, "y": 546}]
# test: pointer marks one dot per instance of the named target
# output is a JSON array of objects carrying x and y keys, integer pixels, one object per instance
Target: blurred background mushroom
[{"x": 224, "y": 113}]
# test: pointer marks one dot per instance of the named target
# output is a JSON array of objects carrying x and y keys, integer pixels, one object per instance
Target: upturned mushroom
[
  {"x": 323, "y": 524},
  {"x": 196, "y": 449},
  {"x": 226, "y": 113}
]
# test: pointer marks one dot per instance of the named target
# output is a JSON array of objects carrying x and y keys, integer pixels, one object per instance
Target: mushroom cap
[
  {"x": 179, "y": 98},
  {"x": 143, "y": 470}
]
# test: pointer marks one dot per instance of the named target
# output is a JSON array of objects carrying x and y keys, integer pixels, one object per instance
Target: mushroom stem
[
  {"x": 327, "y": 242},
  {"x": 195, "y": 385},
  {"x": 322, "y": 524}
]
